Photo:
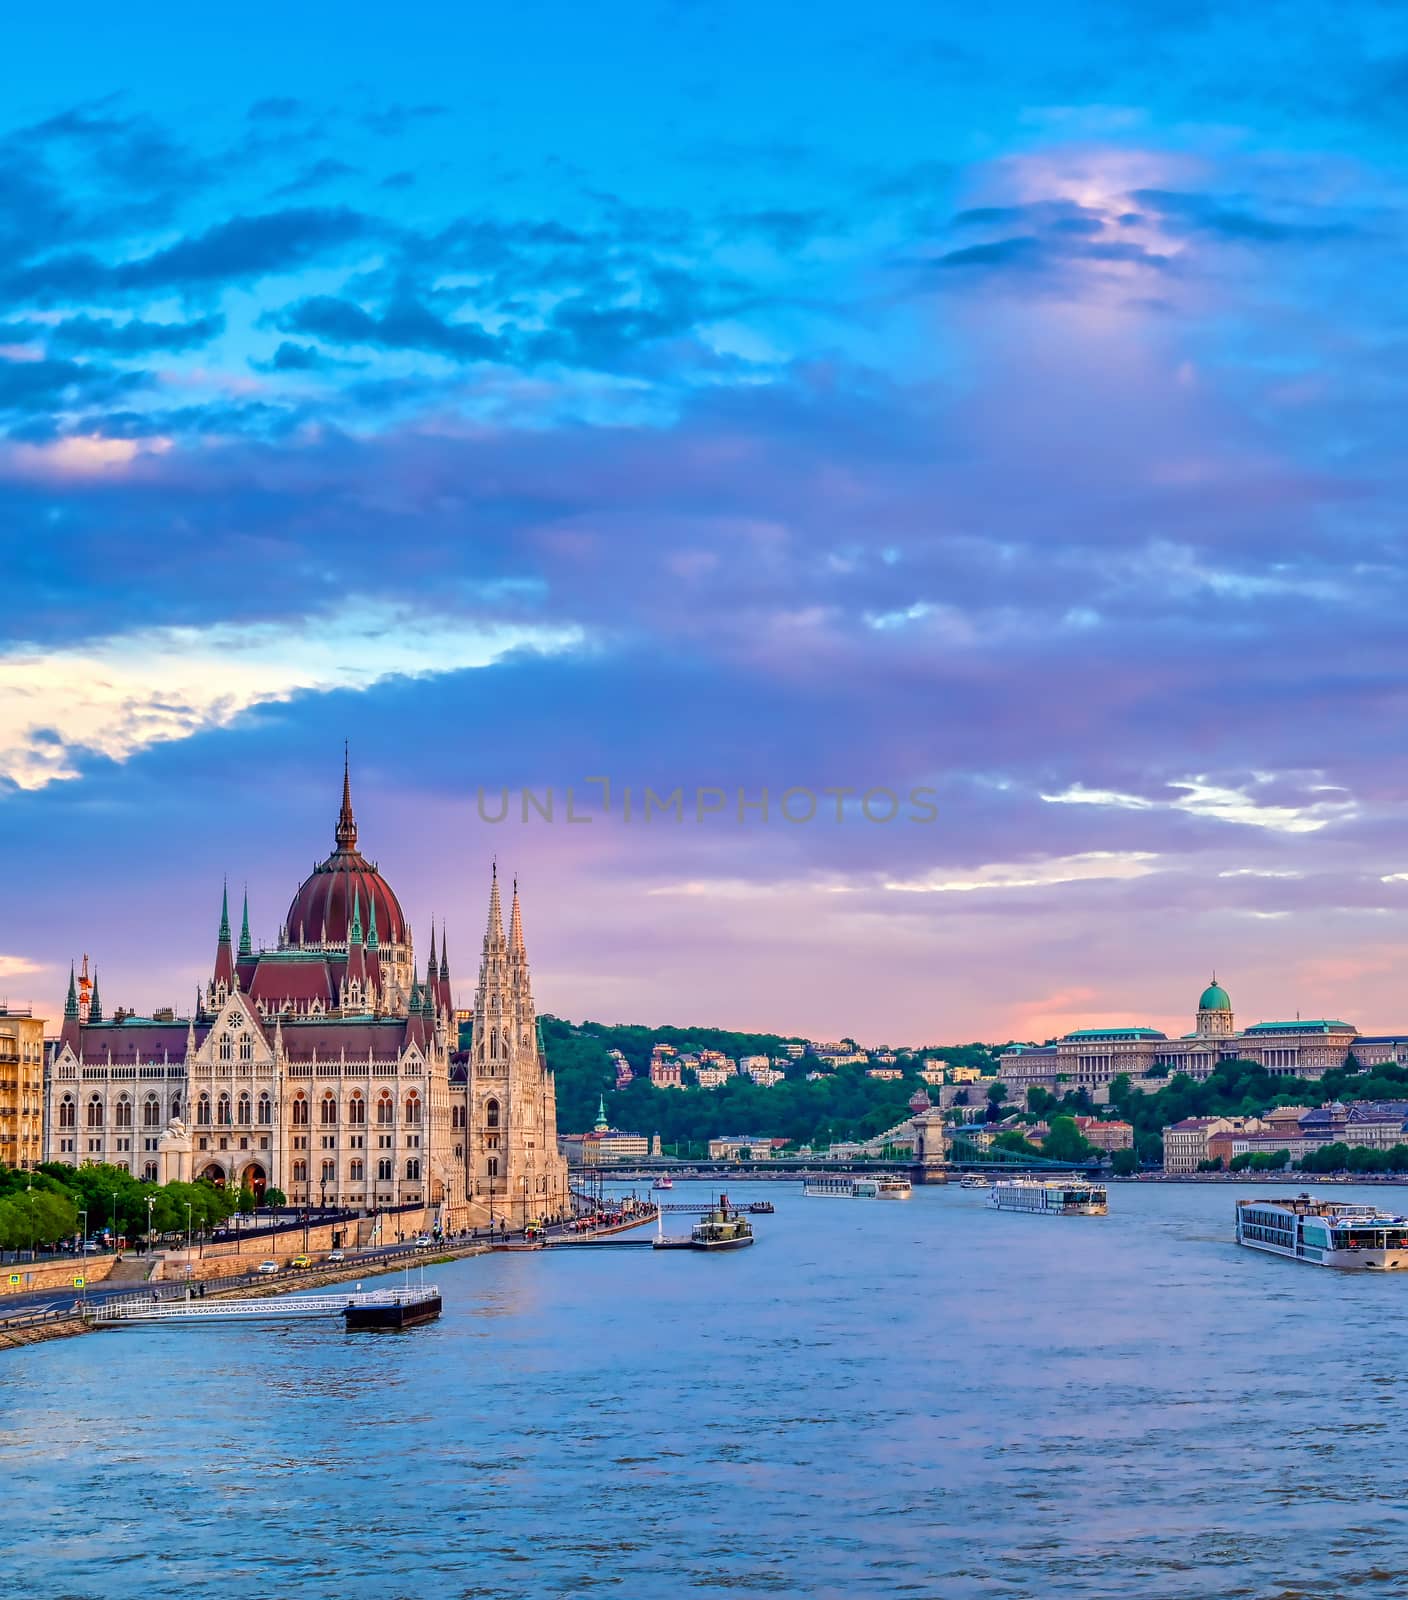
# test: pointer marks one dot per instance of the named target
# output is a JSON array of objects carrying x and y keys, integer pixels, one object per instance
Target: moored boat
[
  {"x": 895, "y": 1188},
  {"x": 1056, "y": 1197},
  {"x": 663, "y": 1183},
  {"x": 1326, "y": 1233},
  {"x": 390, "y": 1309},
  {"x": 722, "y": 1228},
  {"x": 762, "y": 1208},
  {"x": 974, "y": 1180}
]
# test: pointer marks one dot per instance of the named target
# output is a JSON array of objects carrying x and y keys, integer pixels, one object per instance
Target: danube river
[{"x": 922, "y": 1398}]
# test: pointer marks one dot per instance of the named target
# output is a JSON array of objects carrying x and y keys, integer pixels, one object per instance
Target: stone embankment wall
[
  {"x": 17, "y": 1338},
  {"x": 53, "y": 1274},
  {"x": 226, "y": 1257}
]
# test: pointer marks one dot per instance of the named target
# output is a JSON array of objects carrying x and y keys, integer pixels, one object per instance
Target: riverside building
[
  {"x": 21, "y": 1088},
  {"x": 327, "y": 1067}
]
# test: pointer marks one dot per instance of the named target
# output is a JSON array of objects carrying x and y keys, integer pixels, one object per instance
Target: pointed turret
[
  {"x": 430, "y": 967},
  {"x": 95, "y": 1005},
  {"x": 346, "y": 830},
  {"x": 602, "y": 1125},
  {"x": 224, "y": 947},
  {"x": 71, "y": 1004},
  {"x": 246, "y": 944},
  {"x": 354, "y": 933},
  {"x": 494, "y": 933},
  {"x": 515, "y": 928},
  {"x": 71, "y": 1033},
  {"x": 371, "y": 923}
]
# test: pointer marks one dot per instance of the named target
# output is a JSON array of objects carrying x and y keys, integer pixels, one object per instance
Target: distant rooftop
[{"x": 1116, "y": 1033}]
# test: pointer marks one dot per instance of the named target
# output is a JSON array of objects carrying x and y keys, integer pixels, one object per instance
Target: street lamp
[
  {"x": 151, "y": 1201},
  {"x": 114, "y": 1220},
  {"x": 83, "y": 1235},
  {"x": 188, "y": 1234}
]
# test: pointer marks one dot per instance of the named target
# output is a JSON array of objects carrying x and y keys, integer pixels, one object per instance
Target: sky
[{"x": 1007, "y": 404}]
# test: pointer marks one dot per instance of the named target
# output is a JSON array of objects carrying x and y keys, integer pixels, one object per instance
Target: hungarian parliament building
[
  {"x": 327, "y": 1067},
  {"x": 1090, "y": 1058}
]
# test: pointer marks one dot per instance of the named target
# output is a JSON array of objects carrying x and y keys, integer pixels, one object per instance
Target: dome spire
[{"x": 346, "y": 831}]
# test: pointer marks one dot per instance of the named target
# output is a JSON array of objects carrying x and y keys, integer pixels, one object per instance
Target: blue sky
[{"x": 1008, "y": 403}]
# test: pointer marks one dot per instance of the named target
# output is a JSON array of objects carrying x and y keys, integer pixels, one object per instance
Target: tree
[
  {"x": 1124, "y": 1163},
  {"x": 275, "y": 1197},
  {"x": 1065, "y": 1142}
]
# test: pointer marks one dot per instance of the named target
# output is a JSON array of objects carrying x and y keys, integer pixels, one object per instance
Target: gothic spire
[
  {"x": 71, "y": 1004},
  {"x": 246, "y": 945},
  {"x": 346, "y": 831},
  {"x": 430, "y": 969},
  {"x": 515, "y": 930},
  {"x": 225, "y": 913},
  {"x": 371, "y": 925},
  {"x": 354, "y": 933},
  {"x": 494, "y": 934},
  {"x": 444, "y": 955},
  {"x": 95, "y": 1005}
]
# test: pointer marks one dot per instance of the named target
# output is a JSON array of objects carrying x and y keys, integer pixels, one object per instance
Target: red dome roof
[{"x": 322, "y": 908}]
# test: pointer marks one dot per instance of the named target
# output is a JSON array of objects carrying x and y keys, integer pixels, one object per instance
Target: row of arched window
[
  {"x": 356, "y": 1110},
  {"x": 239, "y": 1112},
  {"x": 94, "y": 1113},
  {"x": 356, "y": 1171}
]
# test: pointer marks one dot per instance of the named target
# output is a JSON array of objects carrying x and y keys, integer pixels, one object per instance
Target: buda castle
[
  {"x": 327, "y": 1067},
  {"x": 1090, "y": 1058}
]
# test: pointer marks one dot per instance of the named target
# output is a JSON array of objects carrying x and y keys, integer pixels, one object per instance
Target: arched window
[
  {"x": 385, "y": 1109},
  {"x": 328, "y": 1110},
  {"x": 149, "y": 1172},
  {"x": 457, "y": 1116},
  {"x": 300, "y": 1172},
  {"x": 222, "y": 1111},
  {"x": 357, "y": 1111},
  {"x": 383, "y": 1170},
  {"x": 329, "y": 1171},
  {"x": 413, "y": 1169},
  {"x": 224, "y": 1050},
  {"x": 151, "y": 1112},
  {"x": 244, "y": 1108},
  {"x": 95, "y": 1112},
  {"x": 122, "y": 1113},
  {"x": 203, "y": 1111},
  {"x": 413, "y": 1109},
  {"x": 175, "y": 1106},
  {"x": 266, "y": 1110},
  {"x": 67, "y": 1111},
  {"x": 493, "y": 1166},
  {"x": 491, "y": 1114},
  {"x": 246, "y": 1047},
  {"x": 300, "y": 1111},
  {"x": 355, "y": 1172}
]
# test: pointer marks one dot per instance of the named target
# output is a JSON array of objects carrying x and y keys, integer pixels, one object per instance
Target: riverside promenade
[{"x": 43, "y": 1315}]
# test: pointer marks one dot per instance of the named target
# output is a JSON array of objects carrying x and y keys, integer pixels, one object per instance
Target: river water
[{"x": 922, "y": 1398}]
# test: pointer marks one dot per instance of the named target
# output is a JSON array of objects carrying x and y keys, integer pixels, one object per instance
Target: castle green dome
[{"x": 1214, "y": 998}]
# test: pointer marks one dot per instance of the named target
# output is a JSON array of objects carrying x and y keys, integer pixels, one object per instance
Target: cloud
[
  {"x": 405, "y": 325},
  {"x": 1202, "y": 797},
  {"x": 114, "y": 696},
  {"x": 1089, "y": 866},
  {"x": 130, "y": 338}
]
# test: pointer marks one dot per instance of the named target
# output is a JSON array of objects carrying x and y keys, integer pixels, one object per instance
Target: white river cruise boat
[
  {"x": 1056, "y": 1197},
  {"x": 841, "y": 1188},
  {"x": 895, "y": 1188},
  {"x": 1327, "y": 1233}
]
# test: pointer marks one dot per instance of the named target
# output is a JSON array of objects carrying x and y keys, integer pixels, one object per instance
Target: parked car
[
  {"x": 267, "y": 1268},
  {"x": 336, "y": 1255},
  {"x": 301, "y": 1261}
]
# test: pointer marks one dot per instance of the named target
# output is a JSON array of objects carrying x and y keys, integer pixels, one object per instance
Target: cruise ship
[
  {"x": 841, "y": 1188},
  {"x": 1056, "y": 1197},
  {"x": 1326, "y": 1233}
]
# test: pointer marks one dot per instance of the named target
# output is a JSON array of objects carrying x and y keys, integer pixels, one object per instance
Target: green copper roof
[
  {"x": 1116, "y": 1033},
  {"x": 1302, "y": 1025},
  {"x": 1214, "y": 998}
]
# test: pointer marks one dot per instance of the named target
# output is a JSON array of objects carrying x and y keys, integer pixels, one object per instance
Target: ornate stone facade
[{"x": 326, "y": 1067}]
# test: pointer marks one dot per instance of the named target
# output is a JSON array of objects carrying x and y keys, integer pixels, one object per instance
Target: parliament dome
[{"x": 322, "y": 910}]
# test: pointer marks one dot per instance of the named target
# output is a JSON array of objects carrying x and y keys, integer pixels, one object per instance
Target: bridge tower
[{"x": 930, "y": 1148}]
